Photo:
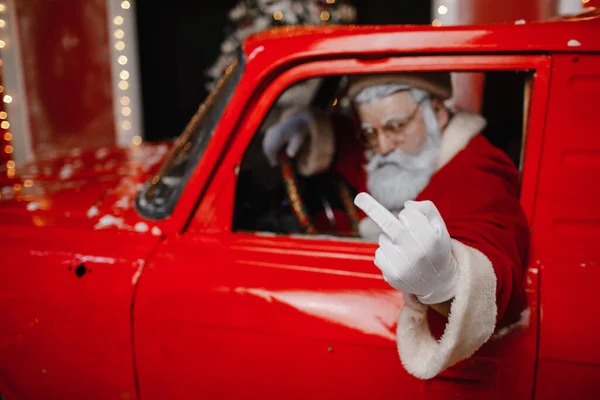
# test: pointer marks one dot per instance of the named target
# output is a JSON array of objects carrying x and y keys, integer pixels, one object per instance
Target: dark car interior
[{"x": 262, "y": 201}]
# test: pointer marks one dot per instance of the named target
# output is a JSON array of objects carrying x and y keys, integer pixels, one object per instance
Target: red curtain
[{"x": 66, "y": 67}]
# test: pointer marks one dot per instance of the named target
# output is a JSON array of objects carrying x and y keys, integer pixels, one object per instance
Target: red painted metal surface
[
  {"x": 206, "y": 313},
  {"x": 73, "y": 249},
  {"x": 578, "y": 33},
  {"x": 568, "y": 218},
  {"x": 559, "y": 380},
  {"x": 65, "y": 304},
  {"x": 82, "y": 189},
  {"x": 273, "y": 317},
  {"x": 306, "y": 297}
]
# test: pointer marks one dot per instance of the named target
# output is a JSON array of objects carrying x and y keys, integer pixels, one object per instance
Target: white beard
[{"x": 397, "y": 177}]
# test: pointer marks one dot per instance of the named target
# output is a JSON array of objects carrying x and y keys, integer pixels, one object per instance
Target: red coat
[
  {"x": 477, "y": 194},
  {"x": 476, "y": 190}
]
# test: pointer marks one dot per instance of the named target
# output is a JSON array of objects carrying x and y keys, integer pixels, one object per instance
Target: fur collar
[{"x": 463, "y": 127}]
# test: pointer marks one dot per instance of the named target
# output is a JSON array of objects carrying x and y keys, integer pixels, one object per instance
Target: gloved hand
[
  {"x": 296, "y": 127},
  {"x": 414, "y": 253},
  {"x": 290, "y": 132}
]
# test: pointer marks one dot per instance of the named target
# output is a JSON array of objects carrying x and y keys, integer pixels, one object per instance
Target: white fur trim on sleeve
[{"x": 471, "y": 322}]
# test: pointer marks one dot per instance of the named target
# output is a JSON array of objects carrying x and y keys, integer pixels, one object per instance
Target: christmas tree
[{"x": 252, "y": 16}]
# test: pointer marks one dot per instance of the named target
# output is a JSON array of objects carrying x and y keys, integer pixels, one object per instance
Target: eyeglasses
[{"x": 393, "y": 129}]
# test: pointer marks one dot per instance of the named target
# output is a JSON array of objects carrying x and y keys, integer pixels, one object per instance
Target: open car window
[
  {"x": 262, "y": 198},
  {"x": 264, "y": 203},
  {"x": 160, "y": 193}
]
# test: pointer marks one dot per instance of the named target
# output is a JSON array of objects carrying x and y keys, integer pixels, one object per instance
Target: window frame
[
  {"x": 215, "y": 212},
  {"x": 199, "y": 131}
]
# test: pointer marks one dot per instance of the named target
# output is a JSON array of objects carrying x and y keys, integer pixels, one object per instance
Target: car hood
[{"x": 91, "y": 189}]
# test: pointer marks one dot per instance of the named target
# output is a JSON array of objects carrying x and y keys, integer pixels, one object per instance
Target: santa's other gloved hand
[
  {"x": 291, "y": 132},
  {"x": 414, "y": 253}
]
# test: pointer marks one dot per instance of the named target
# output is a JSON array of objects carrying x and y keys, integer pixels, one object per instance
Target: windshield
[{"x": 159, "y": 194}]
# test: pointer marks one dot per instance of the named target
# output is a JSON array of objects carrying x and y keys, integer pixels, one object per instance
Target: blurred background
[{"x": 85, "y": 73}]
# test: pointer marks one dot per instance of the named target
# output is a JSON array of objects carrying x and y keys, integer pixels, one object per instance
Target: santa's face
[
  {"x": 403, "y": 140},
  {"x": 393, "y": 122}
]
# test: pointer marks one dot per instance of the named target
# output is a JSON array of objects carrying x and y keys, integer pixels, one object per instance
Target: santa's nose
[{"x": 386, "y": 144}]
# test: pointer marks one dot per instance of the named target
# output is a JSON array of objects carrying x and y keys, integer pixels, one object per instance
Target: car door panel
[
  {"x": 66, "y": 300},
  {"x": 221, "y": 314},
  {"x": 262, "y": 320},
  {"x": 243, "y": 316}
]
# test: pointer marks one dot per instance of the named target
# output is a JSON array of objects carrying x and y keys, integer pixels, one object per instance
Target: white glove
[
  {"x": 296, "y": 127},
  {"x": 291, "y": 131},
  {"x": 414, "y": 253}
]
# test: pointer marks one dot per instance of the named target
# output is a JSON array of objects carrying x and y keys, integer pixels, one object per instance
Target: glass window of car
[{"x": 160, "y": 193}]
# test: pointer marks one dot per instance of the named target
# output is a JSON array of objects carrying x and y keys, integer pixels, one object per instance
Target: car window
[
  {"x": 160, "y": 193},
  {"x": 276, "y": 199},
  {"x": 264, "y": 194}
]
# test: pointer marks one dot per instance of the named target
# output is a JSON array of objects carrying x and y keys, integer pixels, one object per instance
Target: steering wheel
[{"x": 299, "y": 207}]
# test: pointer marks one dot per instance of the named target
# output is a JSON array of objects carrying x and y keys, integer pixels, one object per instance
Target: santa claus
[{"x": 443, "y": 207}]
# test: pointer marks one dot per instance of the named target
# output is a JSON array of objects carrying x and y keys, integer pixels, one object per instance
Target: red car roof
[{"x": 578, "y": 33}]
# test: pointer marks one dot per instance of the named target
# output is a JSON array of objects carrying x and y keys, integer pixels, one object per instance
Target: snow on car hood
[{"x": 92, "y": 189}]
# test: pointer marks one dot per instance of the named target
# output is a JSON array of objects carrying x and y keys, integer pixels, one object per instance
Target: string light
[
  {"x": 277, "y": 15},
  {"x": 330, "y": 1},
  {"x": 442, "y": 10},
  {"x": 125, "y": 106},
  {"x": 28, "y": 183},
  {"x": 137, "y": 140},
  {"x": 325, "y": 16},
  {"x": 124, "y": 75},
  {"x": 436, "y": 22},
  {"x": 7, "y": 99}
]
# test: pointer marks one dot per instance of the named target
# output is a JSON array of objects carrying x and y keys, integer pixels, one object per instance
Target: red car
[{"x": 181, "y": 271}]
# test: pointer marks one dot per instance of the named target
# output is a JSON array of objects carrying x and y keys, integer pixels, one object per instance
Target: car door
[
  {"x": 567, "y": 231},
  {"x": 229, "y": 314},
  {"x": 65, "y": 302}
]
